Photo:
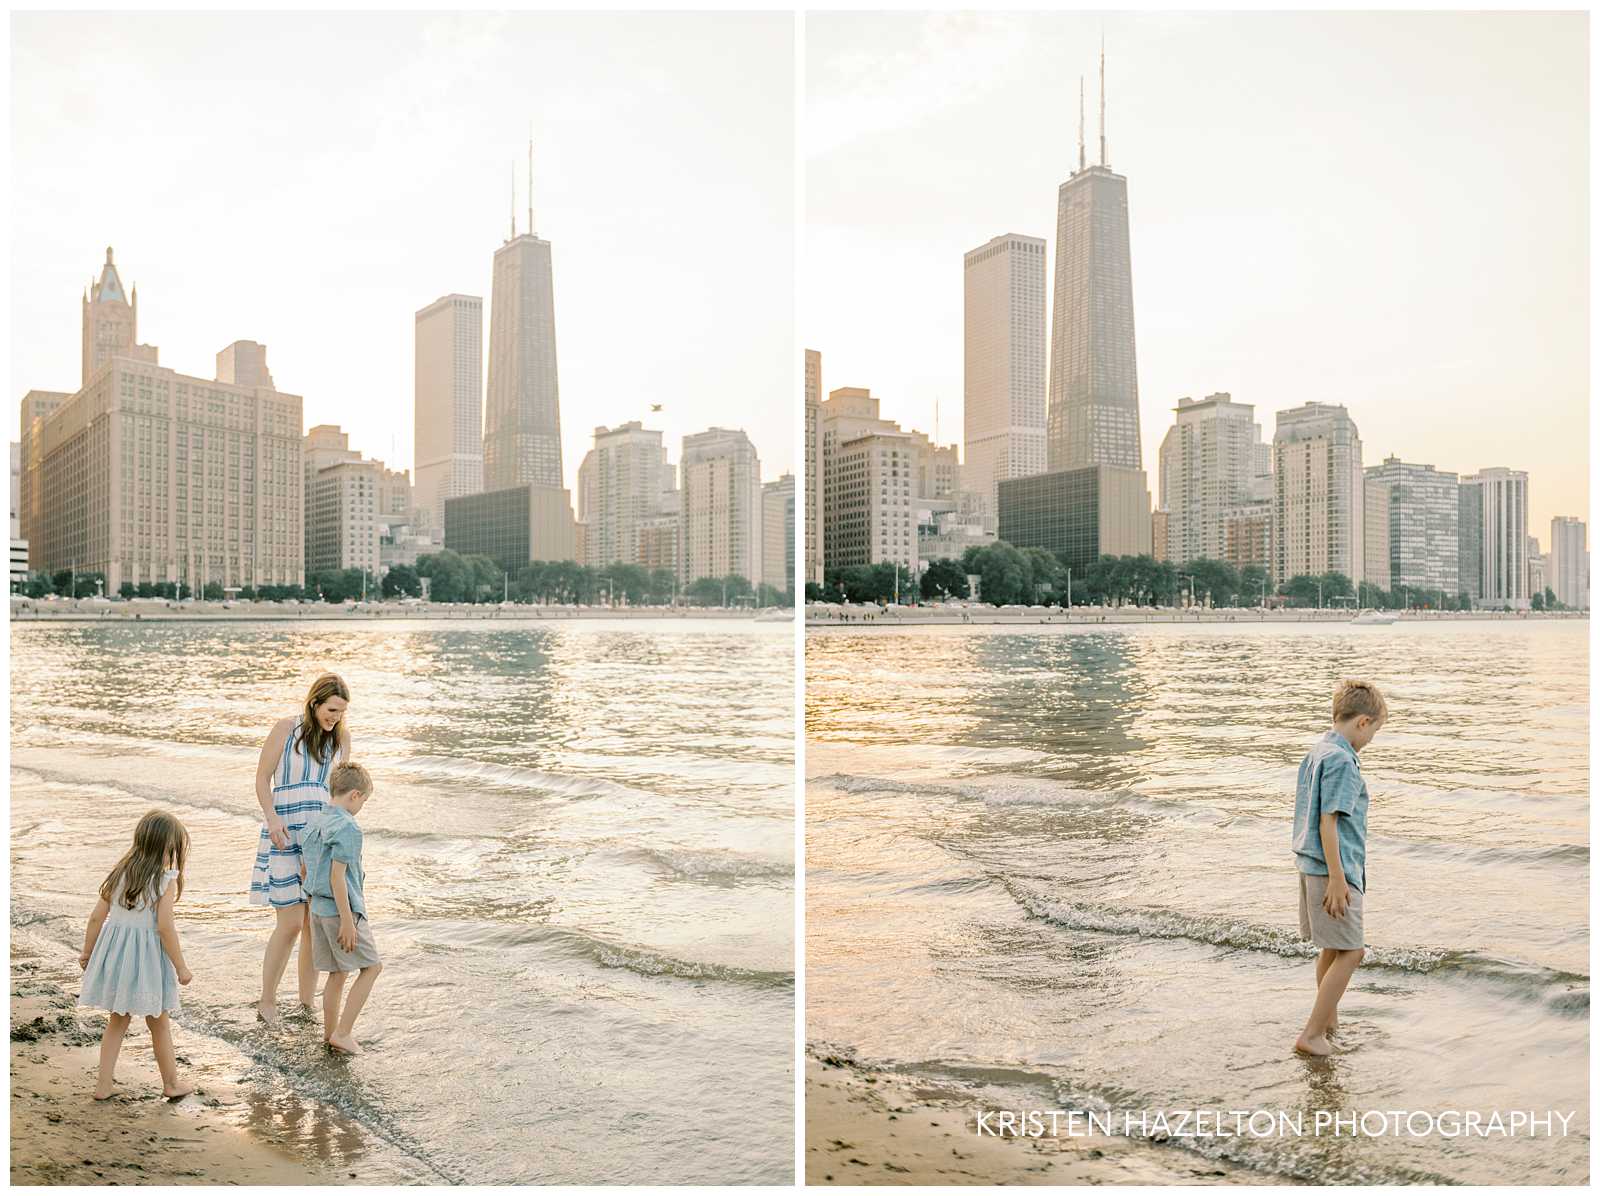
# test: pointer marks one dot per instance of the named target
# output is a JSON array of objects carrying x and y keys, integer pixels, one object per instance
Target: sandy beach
[
  {"x": 157, "y": 610},
  {"x": 220, "y": 1134},
  {"x": 872, "y": 1127},
  {"x": 857, "y": 616}
]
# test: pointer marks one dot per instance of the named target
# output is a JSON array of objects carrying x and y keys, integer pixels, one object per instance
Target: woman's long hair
[
  {"x": 159, "y": 837},
  {"x": 319, "y": 744}
]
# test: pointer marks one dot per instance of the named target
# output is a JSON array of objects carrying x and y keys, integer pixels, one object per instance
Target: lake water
[
  {"x": 1054, "y": 865},
  {"x": 579, "y": 865}
]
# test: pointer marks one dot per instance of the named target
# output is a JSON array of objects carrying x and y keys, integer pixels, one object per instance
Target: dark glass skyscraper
[{"x": 1093, "y": 415}]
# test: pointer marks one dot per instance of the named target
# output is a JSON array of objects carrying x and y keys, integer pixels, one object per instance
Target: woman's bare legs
[
  {"x": 290, "y": 925},
  {"x": 308, "y": 970}
]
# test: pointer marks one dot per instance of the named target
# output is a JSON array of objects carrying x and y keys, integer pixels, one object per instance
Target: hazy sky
[
  {"x": 1387, "y": 211},
  {"x": 311, "y": 181}
]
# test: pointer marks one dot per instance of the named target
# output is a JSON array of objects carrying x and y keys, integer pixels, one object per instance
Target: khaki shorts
[
  {"x": 328, "y": 956},
  {"x": 1316, "y": 924}
]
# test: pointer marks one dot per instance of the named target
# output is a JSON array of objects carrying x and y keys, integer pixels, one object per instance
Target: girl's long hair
[
  {"x": 320, "y": 744},
  {"x": 159, "y": 837}
]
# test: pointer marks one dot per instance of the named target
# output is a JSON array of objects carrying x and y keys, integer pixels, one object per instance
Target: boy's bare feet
[
  {"x": 105, "y": 1091},
  {"x": 1317, "y": 1046},
  {"x": 267, "y": 1014},
  {"x": 176, "y": 1091},
  {"x": 345, "y": 1044}
]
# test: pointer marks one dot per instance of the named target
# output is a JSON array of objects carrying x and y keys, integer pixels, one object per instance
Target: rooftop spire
[
  {"x": 513, "y": 236},
  {"x": 1103, "y": 100},
  {"x": 530, "y": 179},
  {"x": 1080, "y": 123}
]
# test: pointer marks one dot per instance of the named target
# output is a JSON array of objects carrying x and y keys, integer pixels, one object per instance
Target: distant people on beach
[
  {"x": 1330, "y": 852},
  {"x": 132, "y": 961},
  {"x": 292, "y": 788}
]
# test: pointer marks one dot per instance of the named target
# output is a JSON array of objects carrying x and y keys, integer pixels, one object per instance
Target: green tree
[
  {"x": 1004, "y": 572},
  {"x": 941, "y": 578},
  {"x": 38, "y": 586},
  {"x": 1046, "y": 576},
  {"x": 402, "y": 581},
  {"x": 449, "y": 577},
  {"x": 1537, "y": 601},
  {"x": 127, "y": 590},
  {"x": 1215, "y": 579}
]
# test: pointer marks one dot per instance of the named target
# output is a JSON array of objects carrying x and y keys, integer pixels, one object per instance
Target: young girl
[{"x": 131, "y": 961}]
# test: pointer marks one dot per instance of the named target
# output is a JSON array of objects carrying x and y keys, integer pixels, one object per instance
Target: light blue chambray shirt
[
  {"x": 333, "y": 835},
  {"x": 1330, "y": 782}
]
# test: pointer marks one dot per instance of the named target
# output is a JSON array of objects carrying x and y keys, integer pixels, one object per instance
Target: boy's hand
[
  {"x": 185, "y": 976},
  {"x": 302, "y": 871},
  {"x": 1337, "y": 899},
  {"x": 347, "y": 934},
  {"x": 83, "y": 962}
]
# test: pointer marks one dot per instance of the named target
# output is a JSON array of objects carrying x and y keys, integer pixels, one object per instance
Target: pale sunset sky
[
  {"x": 1386, "y": 210},
  {"x": 310, "y": 181}
]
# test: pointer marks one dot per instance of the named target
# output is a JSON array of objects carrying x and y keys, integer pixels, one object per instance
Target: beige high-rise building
[
  {"x": 346, "y": 497},
  {"x": 1569, "y": 561},
  {"x": 870, "y": 480},
  {"x": 777, "y": 533},
  {"x": 813, "y": 494},
  {"x": 620, "y": 488},
  {"x": 1208, "y": 464},
  {"x": 721, "y": 517},
  {"x": 111, "y": 323},
  {"x": 448, "y": 404},
  {"x": 1247, "y": 534},
  {"x": 1004, "y": 354},
  {"x": 37, "y": 406},
  {"x": 1318, "y": 523},
  {"x": 148, "y": 476}
]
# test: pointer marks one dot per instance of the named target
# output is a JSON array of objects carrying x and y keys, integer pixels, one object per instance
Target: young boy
[
  {"x": 341, "y": 937},
  {"x": 1330, "y": 851}
]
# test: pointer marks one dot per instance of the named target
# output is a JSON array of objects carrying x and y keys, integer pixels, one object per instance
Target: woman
[{"x": 292, "y": 787}]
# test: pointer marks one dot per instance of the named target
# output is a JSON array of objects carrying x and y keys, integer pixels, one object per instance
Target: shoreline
[
  {"x": 867, "y": 616},
  {"x": 218, "y": 1135},
  {"x": 871, "y": 1127},
  {"x": 159, "y": 611}
]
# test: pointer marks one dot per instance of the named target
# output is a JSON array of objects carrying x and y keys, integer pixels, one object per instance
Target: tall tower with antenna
[
  {"x": 1093, "y": 409},
  {"x": 522, "y": 416}
]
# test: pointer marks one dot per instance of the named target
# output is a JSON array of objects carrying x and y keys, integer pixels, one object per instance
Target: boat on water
[
  {"x": 1370, "y": 618},
  {"x": 775, "y": 616}
]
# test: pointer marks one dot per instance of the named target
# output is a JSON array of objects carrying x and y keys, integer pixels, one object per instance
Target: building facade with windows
[
  {"x": 514, "y": 527},
  {"x": 1424, "y": 521},
  {"x": 447, "y": 413},
  {"x": 1569, "y": 561},
  {"x": 1003, "y": 361},
  {"x": 720, "y": 521},
  {"x": 1079, "y": 515},
  {"x": 1319, "y": 515}
]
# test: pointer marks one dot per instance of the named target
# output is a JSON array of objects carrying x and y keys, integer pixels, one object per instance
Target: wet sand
[
  {"x": 60, "y": 1135},
  {"x": 870, "y": 1127}
]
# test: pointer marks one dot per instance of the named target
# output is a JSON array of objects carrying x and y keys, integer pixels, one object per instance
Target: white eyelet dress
[
  {"x": 299, "y": 793},
  {"x": 128, "y": 970}
]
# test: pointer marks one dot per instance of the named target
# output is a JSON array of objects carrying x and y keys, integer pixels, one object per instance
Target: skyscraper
[
  {"x": 777, "y": 533},
  {"x": 622, "y": 490},
  {"x": 1424, "y": 514},
  {"x": 1208, "y": 466},
  {"x": 111, "y": 322},
  {"x": 1318, "y": 523},
  {"x": 1499, "y": 497},
  {"x": 1003, "y": 362},
  {"x": 813, "y": 494},
  {"x": 1093, "y": 415},
  {"x": 721, "y": 516},
  {"x": 448, "y": 411},
  {"x": 522, "y": 428},
  {"x": 1569, "y": 561}
]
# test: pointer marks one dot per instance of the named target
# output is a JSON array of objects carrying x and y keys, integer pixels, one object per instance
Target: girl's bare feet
[
  {"x": 1317, "y": 1046},
  {"x": 345, "y": 1044},
  {"x": 176, "y": 1091},
  {"x": 267, "y": 1014},
  {"x": 105, "y": 1091}
]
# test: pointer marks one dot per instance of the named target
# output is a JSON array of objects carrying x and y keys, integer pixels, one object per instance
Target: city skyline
[
  {"x": 332, "y": 287},
  {"x": 1441, "y": 283}
]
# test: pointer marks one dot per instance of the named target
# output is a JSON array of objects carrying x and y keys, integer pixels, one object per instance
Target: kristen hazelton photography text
[
  {"x": 1196, "y": 721},
  {"x": 402, "y": 736}
]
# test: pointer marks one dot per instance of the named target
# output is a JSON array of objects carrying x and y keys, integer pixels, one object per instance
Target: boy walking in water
[
  {"x": 341, "y": 937},
  {"x": 1330, "y": 851}
]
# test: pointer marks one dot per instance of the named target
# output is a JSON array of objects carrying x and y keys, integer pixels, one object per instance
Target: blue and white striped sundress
[{"x": 299, "y": 793}]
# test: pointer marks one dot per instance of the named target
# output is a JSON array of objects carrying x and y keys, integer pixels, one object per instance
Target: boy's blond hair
[
  {"x": 349, "y": 777},
  {"x": 1352, "y": 698}
]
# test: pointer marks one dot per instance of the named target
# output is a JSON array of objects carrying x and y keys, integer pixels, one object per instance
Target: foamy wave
[
  {"x": 643, "y": 961},
  {"x": 1563, "y": 991},
  {"x": 508, "y": 776},
  {"x": 716, "y": 865}
]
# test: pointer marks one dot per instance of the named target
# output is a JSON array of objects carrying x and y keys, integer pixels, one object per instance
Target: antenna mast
[
  {"x": 1081, "y": 162},
  {"x": 530, "y": 179},
  {"x": 1103, "y": 99}
]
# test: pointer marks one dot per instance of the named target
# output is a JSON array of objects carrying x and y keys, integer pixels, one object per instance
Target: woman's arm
[
  {"x": 96, "y": 921},
  {"x": 167, "y": 927},
  {"x": 271, "y": 753}
]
